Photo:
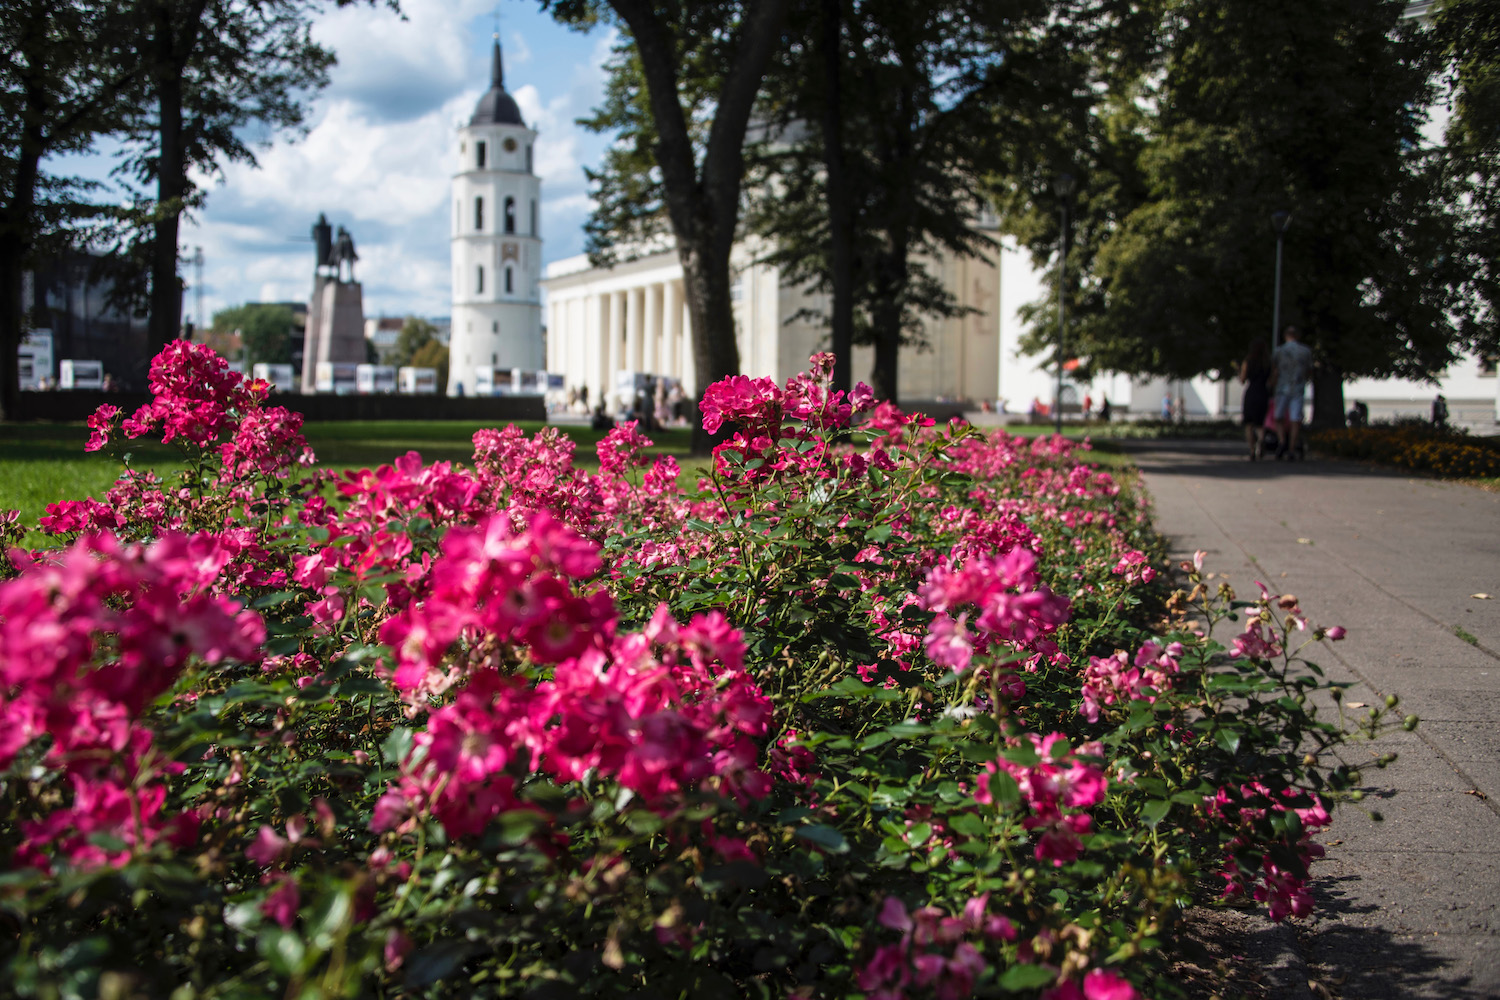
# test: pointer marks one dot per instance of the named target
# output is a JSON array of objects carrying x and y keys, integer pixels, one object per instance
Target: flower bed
[
  {"x": 1419, "y": 447},
  {"x": 874, "y": 713}
]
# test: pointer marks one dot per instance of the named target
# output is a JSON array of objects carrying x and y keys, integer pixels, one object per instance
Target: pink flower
[
  {"x": 100, "y": 422},
  {"x": 949, "y": 643},
  {"x": 269, "y": 847},
  {"x": 282, "y": 902},
  {"x": 397, "y": 947},
  {"x": 1101, "y": 984},
  {"x": 1336, "y": 633},
  {"x": 893, "y": 915}
]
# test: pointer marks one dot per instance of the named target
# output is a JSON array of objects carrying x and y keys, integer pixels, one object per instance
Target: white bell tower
[{"x": 497, "y": 242}]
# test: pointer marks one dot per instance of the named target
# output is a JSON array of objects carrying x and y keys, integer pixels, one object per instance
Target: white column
[
  {"x": 596, "y": 353},
  {"x": 689, "y": 361},
  {"x": 651, "y": 361},
  {"x": 619, "y": 359},
  {"x": 554, "y": 331},
  {"x": 671, "y": 311},
  {"x": 635, "y": 331}
]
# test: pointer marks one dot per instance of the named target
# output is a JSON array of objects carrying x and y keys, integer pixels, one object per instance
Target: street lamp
[
  {"x": 1063, "y": 187},
  {"x": 1279, "y": 221}
]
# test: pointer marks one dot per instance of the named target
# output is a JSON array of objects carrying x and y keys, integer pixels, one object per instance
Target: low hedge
[{"x": 1420, "y": 448}]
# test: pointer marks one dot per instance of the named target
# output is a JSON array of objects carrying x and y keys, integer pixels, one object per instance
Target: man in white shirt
[{"x": 1291, "y": 366}]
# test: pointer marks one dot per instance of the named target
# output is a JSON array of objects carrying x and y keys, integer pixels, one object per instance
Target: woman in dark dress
[{"x": 1254, "y": 372}]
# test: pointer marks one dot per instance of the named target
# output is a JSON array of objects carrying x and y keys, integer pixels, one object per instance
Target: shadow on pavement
[
  {"x": 1226, "y": 460},
  {"x": 1351, "y": 960}
]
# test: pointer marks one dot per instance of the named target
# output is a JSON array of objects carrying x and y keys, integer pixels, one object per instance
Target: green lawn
[{"x": 44, "y": 463}]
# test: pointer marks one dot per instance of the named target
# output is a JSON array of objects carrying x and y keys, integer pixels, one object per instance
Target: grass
[
  {"x": 45, "y": 463},
  {"x": 1466, "y": 636}
]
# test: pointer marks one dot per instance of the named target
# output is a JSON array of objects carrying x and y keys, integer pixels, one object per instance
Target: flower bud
[
  {"x": 1409, "y": 723},
  {"x": 1391, "y": 701}
]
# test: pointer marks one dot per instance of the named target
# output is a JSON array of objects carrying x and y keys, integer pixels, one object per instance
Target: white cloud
[
  {"x": 517, "y": 52},
  {"x": 379, "y": 155}
]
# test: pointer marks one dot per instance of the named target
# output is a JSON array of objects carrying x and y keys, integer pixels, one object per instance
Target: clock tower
[{"x": 497, "y": 242}]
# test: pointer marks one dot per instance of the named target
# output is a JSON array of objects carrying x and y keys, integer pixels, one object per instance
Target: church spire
[{"x": 497, "y": 67}]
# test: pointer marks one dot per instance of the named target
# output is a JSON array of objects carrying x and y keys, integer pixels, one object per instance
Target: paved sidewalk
[{"x": 1409, "y": 907}]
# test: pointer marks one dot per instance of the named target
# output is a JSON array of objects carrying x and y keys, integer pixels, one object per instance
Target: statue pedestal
[{"x": 335, "y": 327}]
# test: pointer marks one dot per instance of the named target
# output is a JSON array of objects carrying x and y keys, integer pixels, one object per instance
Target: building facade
[
  {"x": 496, "y": 241},
  {"x": 633, "y": 318}
]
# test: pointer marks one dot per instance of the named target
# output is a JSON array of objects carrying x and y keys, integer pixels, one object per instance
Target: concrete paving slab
[{"x": 1407, "y": 907}]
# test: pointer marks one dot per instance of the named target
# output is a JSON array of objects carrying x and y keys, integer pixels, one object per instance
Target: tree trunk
[
  {"x": 703, "y": 205},
  {"x": 171, "y": 185},
  {"x": 883, "y": 377},
  {"x": 15, "y": 248},
  {"x": 10, "y": 328},
  {"x": 840, "y": 218},
  {"x": 705, "y": 285}
]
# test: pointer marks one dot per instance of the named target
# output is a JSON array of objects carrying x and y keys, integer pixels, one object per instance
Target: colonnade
[{"x": 593, "y": 335}]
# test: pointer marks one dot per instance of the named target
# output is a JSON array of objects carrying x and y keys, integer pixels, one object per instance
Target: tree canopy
[
  {"x": 265, "y": 331},
  {"x": 1181, "y": 172},
  {"x": 211, "y": 68},
  {"x": 62, "y": 82},
  {"x": 416, "y": 333},
  {"x": 886, "y": 118},
  {"x": 1466, "y": 34}
]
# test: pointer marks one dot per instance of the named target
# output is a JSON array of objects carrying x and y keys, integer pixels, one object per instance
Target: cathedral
[{"x": 497, "y": 244}]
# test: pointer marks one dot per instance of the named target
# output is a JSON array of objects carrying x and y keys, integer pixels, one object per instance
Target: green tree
[
  {"x": 416, "y": 333},
  {"x": 1467, "y": 37},
  {"x": 432, "y": 354},
  {"x": 905, "y": 109},
  {"x": 265, "y": 331},
  {"x": 63, "y": 78},
  {"x": 1181, "y": 174},
  {"x": 217, "y": 73},
  {"x": 678, "y": 164}
]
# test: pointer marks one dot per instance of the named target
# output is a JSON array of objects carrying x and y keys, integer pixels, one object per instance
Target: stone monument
[{"x": 336, "y": 312}]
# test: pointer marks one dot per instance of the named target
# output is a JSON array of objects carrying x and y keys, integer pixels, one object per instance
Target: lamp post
[
  {"x": 1063, "y": 187},
  {"x": 1279, "y": 221}
]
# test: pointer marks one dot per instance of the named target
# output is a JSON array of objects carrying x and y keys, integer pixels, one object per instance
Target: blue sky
[{"x": 380, "y": 151}]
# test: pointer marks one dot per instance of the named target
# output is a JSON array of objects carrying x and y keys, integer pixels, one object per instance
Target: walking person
[
  {"x": 1255, "y": 374},
  {"x": 1291, "y": 365}
]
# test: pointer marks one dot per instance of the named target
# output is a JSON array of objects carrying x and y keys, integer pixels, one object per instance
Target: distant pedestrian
[
  {"x": 1104, "y": 410},
  {"x": 1088, "y": 405},
  {"x": 1291, "y": 365},
  {"x": 1440, "y": 412},
  {"x": 1255, "y": 373},
  {"x": 1166, "y": 407}
]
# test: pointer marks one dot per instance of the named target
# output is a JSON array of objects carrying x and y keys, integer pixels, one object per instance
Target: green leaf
[
  {"x": 397, "y": 745},
  {"x": 824, "y": 836},
  {"x": 968, "y": 824},
  {"x": 1019, "y": 978},
  {"x": 1154, "y": 811},
  {"x": 1228, "y": 740},
  {"x": 436, "y": 962}
]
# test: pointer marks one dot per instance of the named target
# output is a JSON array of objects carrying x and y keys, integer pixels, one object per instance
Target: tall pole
[
  {"x": 1062, "y": 311},
  {"x": 1279, "y": 221},
  {"x": 1062, "y": 186}
]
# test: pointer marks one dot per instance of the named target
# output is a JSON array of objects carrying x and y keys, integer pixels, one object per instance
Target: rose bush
[{"x": 881, "y": 709}]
